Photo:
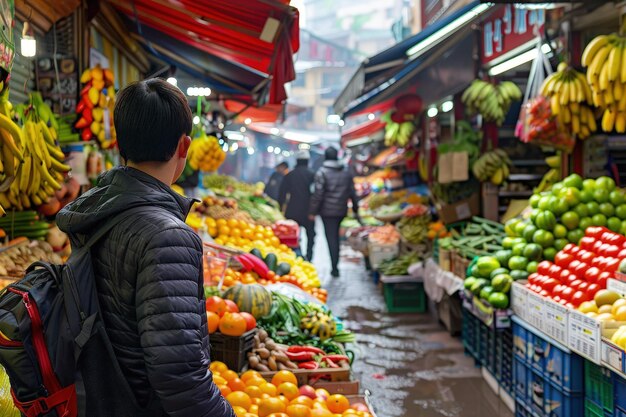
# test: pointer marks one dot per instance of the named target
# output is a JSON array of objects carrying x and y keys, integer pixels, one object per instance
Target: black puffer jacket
[
  {"x": 334, "y": 187},
  {"x": 295, "y": 192},
  {"x": 149, "y": 278}
]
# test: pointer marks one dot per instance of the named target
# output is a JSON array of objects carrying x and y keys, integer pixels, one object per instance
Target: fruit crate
[
  {"x": 619, "y": 390},
  {"x": 542, "y": 397},
  {"x": 599, "y": 386},
  {"x": 522, "y": 342},
  {"x": 504, "y": 359},
  {"x": 594, "y": 410},
  {"x": 469, "y": 333},
  {"x": 405, "y": 297},
  {"x": 233, "y": 351},
  {"x": 522, "y": 411},
  {"x": 312, "y": 376}
]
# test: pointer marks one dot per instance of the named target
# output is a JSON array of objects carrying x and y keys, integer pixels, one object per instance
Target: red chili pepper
[
  {"x": 330, "y": 362},
  {"x": 296, "y": 349},
  {"x": 308, "y": 365},
  {"x": 300, "y": 356},
  {"x": 81, "y": 123},
  {"x": 85, "y": 89},
  {"x": 86, "y": 134},
  {"x": 87, "y": 116},
  {"x": 80, "y": 107},
  {"x": 337, "y": 358}
]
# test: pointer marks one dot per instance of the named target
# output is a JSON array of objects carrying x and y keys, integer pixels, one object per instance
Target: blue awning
[{"x": 387, "y": 67}]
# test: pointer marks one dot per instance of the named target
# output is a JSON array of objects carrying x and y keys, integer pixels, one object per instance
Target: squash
[
  {"x": 319, "y": 324},
  {"x": 251, "y": 298}
]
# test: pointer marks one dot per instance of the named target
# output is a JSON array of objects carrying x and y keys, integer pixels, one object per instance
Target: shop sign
[
  {"x": 7, "y": 47},
  {"x": 509, "y": 27}
]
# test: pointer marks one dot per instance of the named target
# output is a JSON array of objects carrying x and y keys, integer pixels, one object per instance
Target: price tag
[
  {"x": 617, "y": 286},
  {"x": 584, "y": 336},
  {"x": 556, "y": 319}
]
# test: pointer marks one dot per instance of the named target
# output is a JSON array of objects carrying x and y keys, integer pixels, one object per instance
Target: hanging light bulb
[{"x": 28, "y": 42}]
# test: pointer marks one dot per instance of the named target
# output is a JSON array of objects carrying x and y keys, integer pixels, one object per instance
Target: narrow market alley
[{"x": 408, "y": 362}]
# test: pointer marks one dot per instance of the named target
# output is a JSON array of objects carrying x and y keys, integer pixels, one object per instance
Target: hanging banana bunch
[
  {"x": 491, "y": 101},
  {"x": 11, "y": 147},
  {"x": 606, "y": 73},
  {"x": 43, "y": 167},
  {"x": 571, "y": 100}
]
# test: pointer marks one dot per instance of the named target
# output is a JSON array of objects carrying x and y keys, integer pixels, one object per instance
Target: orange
[
  {"x": 257, "y": 381},
  {"x": 237, "y": 384},
  {"x": 259, "y": 237},
  {"x": 284, "y": 399},
  {"x": 216, "y": 305},
  {"x": 223, "y": 230},
  {"x": 253, "y": 392},
  {"x": 218, "y": 380},
  {"x": 269, "y": 389},
  {"x": 298, "y": 410},
  {"x": 320, "y": 403},
  {"x": 247, "y": 233},
  {"x": 337, "y": 403},
  {"x": 254, "y": 409},
  {"x": 233, "y": 222},
  {"x": 271, "y": 405},
  {"x": 224, "y": 390},
  {"x": 249, "y": 375},
  {"x": 289, "y": 390},
  {"x": 320, "y": 412},
  {"x": 321, "y": 392},
  {"x": 221, "y": 222},
  {"x": 347, "y": 414},
  {"x": 218, "y": 367},
  {"x": 284, "y": 376},
  {"x": 213, "y": 320},
  {"x": 239, "y": 411},
  {"x": 278, "y": 415},
  {"x": 232, "y": 324},
  {"x": 235, "y": 232},
  {"x": 304, "y": 400},
  {"x": 240, "y": 399},
  {"x": 229, "y": 375}
]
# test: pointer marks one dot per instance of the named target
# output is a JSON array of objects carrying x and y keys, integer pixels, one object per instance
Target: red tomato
[
  {"x": 574, "y": 284},
  {"x": 622, "y": 254},
  {"x": 571, "y": 278},
  {"x": 568, "y": 248},
  {"x": 570, "y": 306},
  {"x": 597, "y": 261},
  {"x": 585, "y": 256},
  {"x": 611, "y": 264},
  {"x": 543, "y": 267},
  {"x": 587, "y": 242},
  {"x": 556, "y": 298},
  {"x": 583, "y": 286},
  {"x": 554, "y": 271},
  {"x": 578, "y": 297},
  {"x": 563, "y": 259},
  {"x": 591, "y": 274},
  {"x": 612, "y": 251},
  {"x": 574, "y": 250},
  {"x": 573, "y": 265},
  {"x": 581, "y": 269},
  {"x": 597, "y": 246},
  {"x": 602, "y": 278},
  {"x": 591, "y": 291},
  {"x": 602, "y": 250},
  {"x": 544, "y": 293},
  {"x": 231, "y": 306},
  {"x": 594, "y": 231},
  {"x": 562, "y": 301},
  {"x": 567, "y": 294},
  {"x": 532, "y": 278},
  {"x": 550, "y": 284},
  {"x": 564, "y": 275}
]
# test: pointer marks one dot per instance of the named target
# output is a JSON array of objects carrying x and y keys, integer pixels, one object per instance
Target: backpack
[{"x": 46, "y": 321}]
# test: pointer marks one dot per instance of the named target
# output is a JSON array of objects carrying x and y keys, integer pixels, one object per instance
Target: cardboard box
[
  {"x": 461, "y": 210},
  {"x": 449, "y": 313}
]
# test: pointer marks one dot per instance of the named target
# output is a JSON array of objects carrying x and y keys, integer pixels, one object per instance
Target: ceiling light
[
  {"x": 432, "y": 112},
  {"x": 196, "y": 120},
  {"x": 286, "y": 154},
  {"x": 277, "y": 150},
  {"x": 333, "y": 119},
  {"x": 341, "y": 123},
  {"x": 250, "y": 151},
  {"x": 225, "y": 147},
  {"x": 242, "y": 129},
  {"x": 198, "y": 91},
  {"x": 172, "y": 81},
  {"x": 304, "y": 146},
  {"x": 274, "y": 131},
  {"x": 220, "y": 125},
  {"x": 446, "y": 106},
  {"x": 270, "y": 149},
  {"x": 248, "y": 120},
  {"x": 28, "y": 43},
  {"x": 371, "y": 116},
  {"x": 234, "y": 135},
  {"x": 447, "y": 30},
  {"x": 234, "y": 147},
  {"x": 518, "y": 60}
]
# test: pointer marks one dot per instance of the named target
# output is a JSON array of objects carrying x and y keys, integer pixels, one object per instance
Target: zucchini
[
  {"x": 271, "y": 261},
  {"x": 283, "y": 268}
]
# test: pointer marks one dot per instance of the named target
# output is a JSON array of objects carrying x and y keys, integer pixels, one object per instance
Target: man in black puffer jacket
[
  {"x": 148, "y": 268},
  {"x": 334, "y": 187}
]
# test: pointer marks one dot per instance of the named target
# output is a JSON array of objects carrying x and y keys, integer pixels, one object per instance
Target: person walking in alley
[
  {"x": 295, "y": 197},
  {"x": 334, "y": 187},
  {"x": 272, "y": 188}
]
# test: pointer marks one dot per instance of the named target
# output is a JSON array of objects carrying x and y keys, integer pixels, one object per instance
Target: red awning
[
  {"x": 363, "y": 130},
  {"x": 376, "y": 108},
  {"x": 262, "y": 35}
]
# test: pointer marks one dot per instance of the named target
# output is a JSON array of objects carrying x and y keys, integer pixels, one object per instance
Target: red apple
[{"x": 308, "y": 391}]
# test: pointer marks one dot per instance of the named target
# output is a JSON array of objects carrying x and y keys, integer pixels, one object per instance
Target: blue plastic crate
[
  {"x": 537, "y": 356},
  {"x": 522, "y": 342},
  {"x": 522, "y": 411},
  {"x": 565, "y": 369},
  {"x": 521, "y": 375},
  {"x": 619, "y": 388},
  {"x": 548, "y": 400},
  {"x": 619, "y": 412}
]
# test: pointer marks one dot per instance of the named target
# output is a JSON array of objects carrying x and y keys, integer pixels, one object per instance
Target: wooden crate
[
  {"x": 459, "y": 265},
  {"x": 340, "y": 387},
  {"x": 311, "y": 376}
]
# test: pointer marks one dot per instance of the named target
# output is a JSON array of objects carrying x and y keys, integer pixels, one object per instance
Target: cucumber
[
  {"x": 271, "y": 261},
  {"x": 283, "y": 268},
  {"x": 256, "y": 253}
]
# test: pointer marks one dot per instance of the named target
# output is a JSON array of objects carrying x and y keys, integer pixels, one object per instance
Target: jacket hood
[
  {"x": 118, "y": 190},
  {"x": 333, "y": 165}
]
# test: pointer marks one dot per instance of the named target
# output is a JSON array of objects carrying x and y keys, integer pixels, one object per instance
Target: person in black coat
[
  {"x": 295, "y": 197},
  {"x": 148, "y": 268},
  {"x": 334, "y": 188},
  {"x": 272, "y": 188}
]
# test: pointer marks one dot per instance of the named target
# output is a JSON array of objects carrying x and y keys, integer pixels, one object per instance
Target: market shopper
[
  {"x": 334, "y": 188},
  {"x": 295, "y": 197},
  {"x": 272, "y": 188},
  {"x": 148, "y": 268}
]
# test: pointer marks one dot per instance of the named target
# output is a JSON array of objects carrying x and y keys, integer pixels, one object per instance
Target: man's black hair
[
  {"x": 331, "y": 154},
  {"x": 282, "y": 165},
  {"x": 150, "y": 117}
]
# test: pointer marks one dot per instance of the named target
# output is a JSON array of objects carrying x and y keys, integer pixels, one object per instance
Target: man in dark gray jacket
[
  {"x": 334, "y": 187},
  {"x": 148, "y": 268}
]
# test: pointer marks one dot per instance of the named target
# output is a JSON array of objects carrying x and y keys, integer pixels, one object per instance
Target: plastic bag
[{"x": 7, "y": 409}]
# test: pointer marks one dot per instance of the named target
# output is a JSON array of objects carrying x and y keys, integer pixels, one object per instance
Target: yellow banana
[
  {"x": 575, "y": 124},
  {"x": 620, "y": 122},
  {"x": 608, "y": 120},
  {"x": 55, "y": 152},
  {"x": 618, "y": 90},
  {"x": 7, "y": 158},
  {"x": 591, "y": 121},
  {"x": 25, "y": 173},
  {"x": 13, "y": 138},
  {"x": 554, "y": 105},
  {"x": 35, "y": 182},
  {"x": 47, "y": 135},
  {"x": 59, "y": 167},
  {"x": 45, "y": 174},
  {"x": 592, "y": 49},
  {"x": 604, "y": 77},
  {"x": 4, "y": 201},
  {"x": 615, "y": 59}
]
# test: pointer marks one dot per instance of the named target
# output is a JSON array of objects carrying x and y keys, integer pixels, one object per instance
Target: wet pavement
[{"x": 409, "y": 362}]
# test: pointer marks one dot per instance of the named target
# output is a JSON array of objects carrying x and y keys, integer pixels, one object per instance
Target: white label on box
[
  {"x": 556, "y": 319},
  {"x": 612, "y": 356},
  {"x": 535, "y": 310},
  {"x": 584, "y": 336},
  {"x": 518, "y": 301},
  {"x": 463, "y": 211},
  {"x": 617, "y": 286}
]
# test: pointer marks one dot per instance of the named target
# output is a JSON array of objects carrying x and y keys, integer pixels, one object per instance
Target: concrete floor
[{"x": 409, "y": 362}]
